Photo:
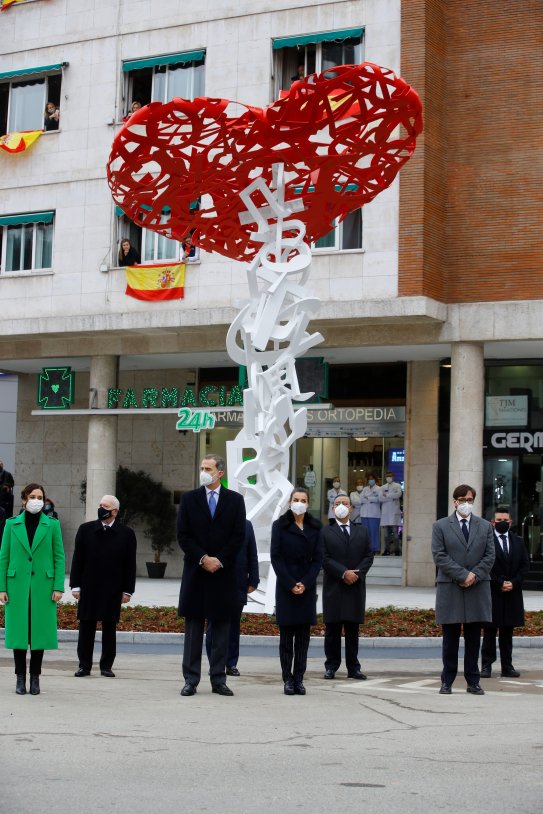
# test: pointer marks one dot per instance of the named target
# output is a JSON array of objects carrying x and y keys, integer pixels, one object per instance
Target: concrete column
[
  {"x": 467, "y": 418},
  {"x": 102, "y": 437},
  {"x": 420, "y": 472}
]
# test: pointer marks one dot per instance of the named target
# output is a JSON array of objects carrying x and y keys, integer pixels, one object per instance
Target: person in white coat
[
  {"x": 331, "y": 495},
  {"x": 370, "y": 510},
  {"x": 356, "y": 502},
  {"x": 391, "y": 515}
]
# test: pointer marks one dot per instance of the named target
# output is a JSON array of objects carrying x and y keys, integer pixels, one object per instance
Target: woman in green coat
[{"x": 31, "y": 584}]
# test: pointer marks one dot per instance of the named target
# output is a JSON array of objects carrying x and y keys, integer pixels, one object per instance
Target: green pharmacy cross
[{"x": 56, "y": 388}]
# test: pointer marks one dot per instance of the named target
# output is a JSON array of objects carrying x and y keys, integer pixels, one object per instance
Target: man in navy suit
[
  {"x": 510, "y": 567},
  {"x": 210, "y": 532}
]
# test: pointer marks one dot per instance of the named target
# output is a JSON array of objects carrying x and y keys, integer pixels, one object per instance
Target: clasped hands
[
  {"x": 351, "y": 576},
  {"x": 469, "y": 581},
  {"x": 211, "y": 564},
  {"x": 299, "y": 588}
]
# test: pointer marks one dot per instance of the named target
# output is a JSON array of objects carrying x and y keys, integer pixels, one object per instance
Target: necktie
[
  {"x": 503, "y": 541},
  {"x": 465, "y": 530},
  {"x": 212, "y": 503},
  {"x": 345, "y": 531}
]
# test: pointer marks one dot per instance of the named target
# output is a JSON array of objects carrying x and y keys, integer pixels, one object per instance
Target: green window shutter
[
  {"x": 170, "y": 59},
  {"x": 28, "y": 71},
  {"x": 33, "y": 217},
  {"x": 323, "y": 36}
]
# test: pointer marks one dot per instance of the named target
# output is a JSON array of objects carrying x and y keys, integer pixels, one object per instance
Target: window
[
  {"x": 26, "y": 241},
  {"x": 24, "y": 95},
  {"x": 296, "y": 57},
  {"x": 150, "y": 246},
  {"x": 159, "y": 79},
  {"x": 346, "y": 236}
]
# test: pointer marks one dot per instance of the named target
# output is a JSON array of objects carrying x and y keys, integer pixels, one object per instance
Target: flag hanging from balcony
[
  {"x": 157, "y": 282},
  {"x": 7, "y": 3},
  {"x": 19, "y": 142}
]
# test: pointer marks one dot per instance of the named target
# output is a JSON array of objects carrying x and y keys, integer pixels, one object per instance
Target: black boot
[
  {"x": 20, "y": 687},
  {"x": 34, "y": 684}
]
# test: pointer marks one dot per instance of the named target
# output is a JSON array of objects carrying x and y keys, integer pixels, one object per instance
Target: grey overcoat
[{"x": 454, "y": 559}]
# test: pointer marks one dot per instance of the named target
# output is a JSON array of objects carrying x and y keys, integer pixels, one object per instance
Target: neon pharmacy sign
[{"x": 166, "y": 397}]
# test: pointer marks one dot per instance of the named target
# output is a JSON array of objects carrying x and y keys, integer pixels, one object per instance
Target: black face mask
[
  {"x": 502, "y": 526},
  {"x": 103, "y": 514}
]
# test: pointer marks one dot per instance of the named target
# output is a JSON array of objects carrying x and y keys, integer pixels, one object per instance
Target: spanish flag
[
  {"x": 19, "y": 142},
  {"x": 7, "y": 3},
  {"x": 157, "y": 282}
]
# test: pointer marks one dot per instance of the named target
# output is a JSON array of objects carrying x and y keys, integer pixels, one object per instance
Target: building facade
[{"x": 432, "y": 295}]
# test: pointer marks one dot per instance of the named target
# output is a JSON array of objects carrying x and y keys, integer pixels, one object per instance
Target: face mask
[
  {"x": 103, "y": 514},
  {"x": 465, "y": 509},
  {"x": 298, "y": 508},
  {"x": 502, "y": 526},
  {"x": 205, "y": 479},
  {"x": 336, "y": 484},
  {"x": 371, "y": 482},
  {"x": 389, "y": 480},
  {"x": 341, "y": 511},
  {"x": 359, "y": 487},
  {"x": 34, "y": 505}
]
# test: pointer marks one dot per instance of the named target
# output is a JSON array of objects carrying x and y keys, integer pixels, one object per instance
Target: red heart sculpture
[{"x": 334, "y": 132}]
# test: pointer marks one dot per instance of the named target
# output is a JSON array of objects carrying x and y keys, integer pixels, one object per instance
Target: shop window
[
  {"x": 295, "y": 57},
  {"x": 346, "y": 236},
  {"x": 26, "y": 242},
  {"x": 159, "y": 79},
  {"x": 24, "y": 95}
]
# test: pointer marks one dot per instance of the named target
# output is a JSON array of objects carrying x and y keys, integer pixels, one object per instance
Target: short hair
[
  {"x": 299, "y": 489},
  {"x": 219, "y": 460},
  {"x": 30, "y": 488},
  {"x": 112, "y": 499},
  {"x": 462, "y": 490},
  {"x": 502, "y": 510},
  {"x": 342, "y": 499}
]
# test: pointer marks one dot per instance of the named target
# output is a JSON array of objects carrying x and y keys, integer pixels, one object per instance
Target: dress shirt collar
[
  {"x": 216, "y": 490},
  {"x": 460, "y": 518}
]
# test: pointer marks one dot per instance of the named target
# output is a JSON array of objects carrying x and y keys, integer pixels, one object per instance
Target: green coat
[{"x": 31, "y": 575}]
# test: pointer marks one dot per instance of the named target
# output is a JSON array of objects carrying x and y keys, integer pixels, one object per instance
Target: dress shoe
[
  {"x": 188, "y": 689},
  {"x": 330, "y": 674},
  {"x": 357, "y": 674},
  {"x": 107, "y": 673},
  {"x": 510, "y": 673},
  {"x": 232, "y": 671},
  {"x": 34, "y": 684},
  {"x": 221, "y": 689},
  {"x": 20, "y": 687},
  {"x": 475, "y": 689},
  {"x": 445, "y": 689},
  {"x": 289, "y": 687},
  {"x": 486, "y": 671},
  {"x": 299, "y": 688},
  {"x": 81, "y": 672}
]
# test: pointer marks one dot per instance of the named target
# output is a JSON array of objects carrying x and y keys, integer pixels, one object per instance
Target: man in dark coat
[
  {"x": 103, "y": 577},
  {"x": 347, "y": 559},
  {"x": 210, "y": 532},
  {"x": 463, "y": 551},
  {"x": 247, "y": 578},
  {"x": 510, "y": 567}
]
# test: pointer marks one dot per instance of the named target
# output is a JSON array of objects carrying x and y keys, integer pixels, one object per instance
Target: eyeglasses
[{"x": 465, "y": 500}]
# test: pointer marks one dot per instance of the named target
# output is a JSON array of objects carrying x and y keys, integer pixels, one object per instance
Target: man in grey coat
[{"x": 463, "y": 551}]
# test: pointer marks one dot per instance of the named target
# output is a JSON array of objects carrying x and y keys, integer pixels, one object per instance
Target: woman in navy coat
[{"x": 296, "y": 557}]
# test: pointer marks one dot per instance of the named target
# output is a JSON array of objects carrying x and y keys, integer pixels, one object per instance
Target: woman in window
[
  {"x": 296, "y": 557},
  {"x": 52, "y": 117},
  {"x": 128, "y": 255},
  {"x": 31, "y": 584}
]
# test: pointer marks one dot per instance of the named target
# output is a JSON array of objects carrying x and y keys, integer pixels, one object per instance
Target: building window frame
[
  {"x": 158, "y": 79},
  {"x": 26, "y": 110},
  {"x": 350, "y": 230},
  {"x": 26, "y": 243}
]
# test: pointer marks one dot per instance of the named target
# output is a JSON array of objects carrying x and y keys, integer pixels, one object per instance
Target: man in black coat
[
  {"x": 247, "y": 578},
  {"x": 347, "y": 559},
  {"x": 103, "y": 577},
  {"x": 510, "y": 567},
  {"x": 210, "y": 532}
]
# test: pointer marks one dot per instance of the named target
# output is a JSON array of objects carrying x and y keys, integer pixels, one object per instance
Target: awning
[
  {"x": 323, "y": 36},
  {"x": 170, "y": 59},
  {"x": 28, "y": 71},
  {"x": 33, "y": 217}
]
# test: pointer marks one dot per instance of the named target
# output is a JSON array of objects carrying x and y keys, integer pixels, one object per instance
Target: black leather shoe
[
  {"x": 486, "y": 672},
  {"x": 232, "y": 671},
  {"x": 299, "y": 688},
  {"x": 475, "y": 689},
  {"x": 107, "y": 673},
  {"x": 510, "y": 673},
  {"x": 34, "y": 684},
  {"x": 289, "y": 687},
  {"x": 357, "y": 674},
  {"x": 188, "y": 689},
  {"x": 330, "y": 674},
  {"x": 221, "y": 689},
  {"x": 81, "y": 672},
  {"x": 20, "y": 687},
  {"x": 445, "y": 689}
]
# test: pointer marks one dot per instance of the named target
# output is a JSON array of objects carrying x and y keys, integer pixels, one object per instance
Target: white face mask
[
  {"x": 205, "y": 478},
  {"x": 389, "y": 480},
  {"x": 464, "y": 509},
  {"x": 298, "y": 508},
  {"x": 359, "y": 487},
  {"x": 336, "y": 484},
  {"x": 341, "y": 511},
  {"x": 34, "y": 505}
]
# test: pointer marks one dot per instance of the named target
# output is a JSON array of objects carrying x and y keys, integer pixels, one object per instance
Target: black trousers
[
  {"x": 85, "y": 643},
  {"x": 505, "y": 641},
  {"x": 332, "y": 646},
  {"x": 451, "y": 643},
  {"x": 192, "y": 651},
  {"x": 36, "y": 658},
  {"x": 293, "y": 647},
  {"x": 233, "y": 639}
]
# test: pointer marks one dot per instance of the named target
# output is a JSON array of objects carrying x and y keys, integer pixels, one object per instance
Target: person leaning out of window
[
  {"x": 128, "y": 255},
  {"x": 51, "y": 118}
]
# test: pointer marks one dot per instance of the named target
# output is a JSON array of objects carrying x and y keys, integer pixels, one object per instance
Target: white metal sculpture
[{"x": 266, "y": 337}]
